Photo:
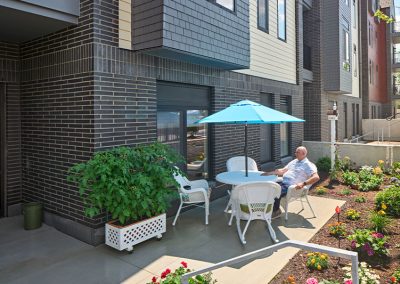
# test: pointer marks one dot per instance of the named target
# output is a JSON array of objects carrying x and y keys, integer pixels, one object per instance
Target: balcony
[
  {"x": 396, "y": 32},
  {"x": 396, "y": 61},
  {"x": 199, "y": 32},
  {"x": 30, "y": 19}
]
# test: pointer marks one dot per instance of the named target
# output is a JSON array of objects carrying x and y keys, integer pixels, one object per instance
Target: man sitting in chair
[{"x": 299, "y": 172}]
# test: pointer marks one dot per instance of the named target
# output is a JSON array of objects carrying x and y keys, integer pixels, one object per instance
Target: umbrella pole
[{"x": 245, "y": 150}]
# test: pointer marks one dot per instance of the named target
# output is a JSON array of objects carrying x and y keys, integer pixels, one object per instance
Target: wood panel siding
[
  {"x": 125, "y": 24},
  {"x": 271, "y": 57}
]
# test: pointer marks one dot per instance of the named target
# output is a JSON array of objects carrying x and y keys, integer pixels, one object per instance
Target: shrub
[
  {"x": 395, "y": 279},
  {"x": 320, "y": 190},
  {"x": 130, "y": 183},
  {"x": 346, "y": 192},
  {"x": 379, "y": 221},
  {"x": 370, "y": 242},
  {"x": 368, "y": 180},
  {"x": 391, "y": 198},
  {"x": 169, "y": 277},
  {"x": 350, "y": 178},
  {"x": 337, "y": 229},
  {"x": 360, "y": 199},
  {"x": 365, "y": 274},
  {"x": 317, "y": 261},
  {"x": 324, "y": 164},
  {"x": 352, "y": 214}
]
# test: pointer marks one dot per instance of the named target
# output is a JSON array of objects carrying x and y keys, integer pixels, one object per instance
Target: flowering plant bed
[{"x": 364, "y": 204}]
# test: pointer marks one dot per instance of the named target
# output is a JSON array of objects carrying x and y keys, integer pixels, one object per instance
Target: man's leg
[{"x": 277, "y": 203}]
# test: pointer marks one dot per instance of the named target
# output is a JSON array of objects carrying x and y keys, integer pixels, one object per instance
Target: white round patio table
[{"x": 236, "y": 178}]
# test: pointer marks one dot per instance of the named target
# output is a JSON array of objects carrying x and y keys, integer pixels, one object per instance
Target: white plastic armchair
[
  {"x": 254, "y": 201},
  {"x": 193, "y": 193},
  {"x": 237, "y": 163},
  {"x": 294, "y": 194}
]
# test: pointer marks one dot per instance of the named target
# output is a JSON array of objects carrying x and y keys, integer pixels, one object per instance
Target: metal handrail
[
  {"x": 353, "y": 256},
  {"x": 389, "y": 118}
]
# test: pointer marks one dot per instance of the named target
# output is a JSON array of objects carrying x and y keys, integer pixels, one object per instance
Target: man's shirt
[{"x": 298, "y": 171}]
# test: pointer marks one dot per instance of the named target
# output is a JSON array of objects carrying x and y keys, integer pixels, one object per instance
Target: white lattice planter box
[{"x": 126, "y": 237}]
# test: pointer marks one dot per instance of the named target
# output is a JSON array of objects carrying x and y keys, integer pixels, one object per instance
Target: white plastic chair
[
  {"x": 294, "y": 194},
  {"x": 254, "y": 201},
  {"x": 198, "y": 192},
  {"x": 238, "y": 164},
  {"x": 235, "y": 164}
]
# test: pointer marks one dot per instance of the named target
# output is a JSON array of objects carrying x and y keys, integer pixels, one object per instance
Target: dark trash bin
[{"x": 33, "y": 213}]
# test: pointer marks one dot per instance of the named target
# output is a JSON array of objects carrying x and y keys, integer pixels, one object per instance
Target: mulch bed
[{"x": 384, "y": 267}]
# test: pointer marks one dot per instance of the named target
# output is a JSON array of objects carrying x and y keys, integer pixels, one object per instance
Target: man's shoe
[{"x": 276, "y": 214}]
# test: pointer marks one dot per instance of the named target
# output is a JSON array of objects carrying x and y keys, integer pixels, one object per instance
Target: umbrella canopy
[{"x": 248, "y": 112}]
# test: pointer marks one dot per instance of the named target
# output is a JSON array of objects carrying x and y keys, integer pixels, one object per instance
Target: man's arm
[
  {"x": 278, "y": 172},
  {"x": 313, "y": 179}
]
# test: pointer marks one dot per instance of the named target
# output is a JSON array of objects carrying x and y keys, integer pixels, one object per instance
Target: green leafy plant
[
  {"x": 379, "y": 221},
  {"x": 345, "y": 164},
  {"x": 352, "y": 214},
  {"x": 320, "y": 190},
  {"x": 346, "y": 66},
  {"x": 346, "y": 192},
  {"x": 169, "y": 277},
  {"x": 360, "y": 199},
  {"x": 391, "y": 198},
  {"x": 395, "y": 278},
  {"x": 351, "y": 179},
  {"x": 365, "y": 273},
  {"x": 323, "y": 164},
  {"x": 370, "y": 242},
  {"x": 317, "y": 261},
  {"x": 337, "y": 229},
  {"x": 382, "y": 16},
  {"x": 368, "y": 180},
  {"x": 130, "y": 183}
]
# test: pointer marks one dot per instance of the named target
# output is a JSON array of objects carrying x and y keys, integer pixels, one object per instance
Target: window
[
  {"x": 347, "y": 2},
  {"x": 262, "y": 15},
  {"x": 284, "y": 127},
  {"x": 372, "y": 73},
  {"x": 355, "y": 60},
  {"x": 346, "y": 49},
  {"x": 228, "y": 4},
  {"x": 369, "y": 72},
  {"x": 177, "y": 111},
  {"x": 354, "y": 14},
  {"x": 282, "y": 19},
  {"x": 358, "y": 118},
  {"x": 266, "y": 133},
  {"x": 353, "y": 112},
  {"x": 369, "y": 33},
  {"x": 345, "y": 119}
]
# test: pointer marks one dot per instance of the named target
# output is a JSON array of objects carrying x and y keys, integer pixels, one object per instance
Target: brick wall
[
  {"x": 80, "y": 93},
  {"x": 10, "y": 74}
]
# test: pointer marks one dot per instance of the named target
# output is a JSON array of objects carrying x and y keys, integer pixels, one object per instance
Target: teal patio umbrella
[{"x": 248, "y": 112}]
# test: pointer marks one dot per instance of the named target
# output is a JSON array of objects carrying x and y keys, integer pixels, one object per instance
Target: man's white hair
[{"x": 303, "y": 149}]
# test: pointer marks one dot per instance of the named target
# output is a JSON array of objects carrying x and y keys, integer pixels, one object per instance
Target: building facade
[
  {"x": 350, "y": 63},
  {"x": 133, "y": 71}
]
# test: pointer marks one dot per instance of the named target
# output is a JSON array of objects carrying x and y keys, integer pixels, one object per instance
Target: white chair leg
[
  {"x": 271, "y": 231},
  {"x": 228, "y": 205},
  {"x": 177, "y": 214},
  {"x": 286, "y": 210},
  {"x": 310, "y": 206},
  {"x": 206, "y": 209},
  {"x": 231, "y": 219},
  {"x": 239, "y": 230}
]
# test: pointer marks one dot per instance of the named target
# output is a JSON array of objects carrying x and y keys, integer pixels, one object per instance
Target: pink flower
[
  {"x": 184, "y": 264},
  {"x": 349, "y": 281},
  {"x": 312, "y": 280},
  {"x": 377, "y": 235}
]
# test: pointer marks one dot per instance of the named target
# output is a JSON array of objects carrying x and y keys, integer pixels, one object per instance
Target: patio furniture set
[{"x": 251, "y": 198}]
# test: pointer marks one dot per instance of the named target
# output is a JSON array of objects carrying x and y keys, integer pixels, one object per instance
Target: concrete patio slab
[{"x": 46, "y": 255}]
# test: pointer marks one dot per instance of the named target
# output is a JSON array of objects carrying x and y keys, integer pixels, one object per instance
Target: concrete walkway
[{"x": 46, "y": 255}]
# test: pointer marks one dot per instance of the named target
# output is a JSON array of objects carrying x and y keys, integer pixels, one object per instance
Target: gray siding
[
  {"x": 198, "y": 32},
  {"x": 336, "y": 78}
]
